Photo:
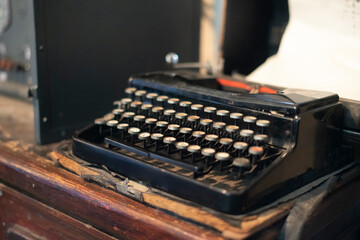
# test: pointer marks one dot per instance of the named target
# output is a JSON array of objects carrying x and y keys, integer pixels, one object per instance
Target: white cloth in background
[{"x": 320, "y": 49}]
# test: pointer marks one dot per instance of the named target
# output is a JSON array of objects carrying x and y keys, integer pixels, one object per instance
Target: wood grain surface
[
  {"x": 30, "y": 219},
  {"x": 109, "y": 211}
]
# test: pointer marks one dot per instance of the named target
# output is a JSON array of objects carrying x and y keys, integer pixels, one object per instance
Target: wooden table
[{"x": 40, "y": 200}]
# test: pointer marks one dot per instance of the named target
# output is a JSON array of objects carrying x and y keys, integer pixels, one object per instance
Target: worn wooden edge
[
  {"x": 108, "y": 211},
  {"x": 248, "y": 226},
  {"x": 21, "y": 220}
]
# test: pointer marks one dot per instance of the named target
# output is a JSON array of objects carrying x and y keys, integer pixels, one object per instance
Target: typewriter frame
[{"x": 307, "y": 120}]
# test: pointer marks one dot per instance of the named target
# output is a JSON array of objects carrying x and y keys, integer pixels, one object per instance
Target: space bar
[{"x": 149, "y": 154}]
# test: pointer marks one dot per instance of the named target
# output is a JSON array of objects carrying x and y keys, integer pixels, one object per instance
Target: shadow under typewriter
[{"x": 226, "y": 151}]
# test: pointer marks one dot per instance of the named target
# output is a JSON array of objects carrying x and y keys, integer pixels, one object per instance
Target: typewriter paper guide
[{"x": 320, "y": 49}]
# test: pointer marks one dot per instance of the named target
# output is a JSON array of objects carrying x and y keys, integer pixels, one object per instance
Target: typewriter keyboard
[{"x": 214, "y": 146}]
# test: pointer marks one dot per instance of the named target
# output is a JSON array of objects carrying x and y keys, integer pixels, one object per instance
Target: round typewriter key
[
  {"x": 256, "y": 153},
  {"x": 144, "y": 136},
  {"x": 197, "y": 108},
  {"x": 231, "y": 129},
  {"x": 108, "y": 116},
  {"x": 199, "y": 135},
  {"x": 181, "y": 115},
  {"x": 130, "y": 90},
  {"x": 146, "y": 107},
  {"x": 219, "y": 126},
  {"x": 135, "y": 104},
  {"x": 174, "y": 127},
  {"x": 249, "y": 120},
  {"x": 205, "y": 123},
  {"x": 173, "y": 102},
  {"x": 139, "y": 119},
  {"x": 162, "y": 125},
  {"x": 140, "y": 94},
  {"x": 117, "y": 112},
  {"x": 241, "y": 162},
  {"x": 128, "y": 116},
  {"x": 122, "y": 127},
  {"x": 260, "y": 138},
  {"x": 236, "y": 117},
  {"x": 112, "y": 123},
  {"x": 193, "y": 119},
  {"x": 157, "y": 137},
  {"x": 151, "y": 122},
  {"x": 208, "y": 152},
  {"x": 194, "y": 150},
  {"x": 100, "y": 122},
  {"x": 222, "y": 157},
  {"x": 241, "y": 165},
  {"x": 125, "y": 102},
  {"x": 133, "y": 131},
  {"x": 152, "y": 97},
  {"x": 169, "y": 113},
  {"x": 158, "y": 111},
  {"x": 262, "y": 123},
  {"x": 246, "y": 133},
  {"x": 169, "y": 141},
  {"x": 181, "y": 145},
  {"x": 185, "y": 130},
  {"x": 222, "y": 114},
  {"x": 212, "y": 138},
  {"x": 240, "y": 145},
  {"x": 185, "y": 105},
  {"x": 210, "y": 111},
  {"x": 162, "y": 99},
  {"x": 226, "y": 142}
]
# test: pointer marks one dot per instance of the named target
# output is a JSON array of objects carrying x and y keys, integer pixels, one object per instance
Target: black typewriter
[{"x": 226, "y": 144}]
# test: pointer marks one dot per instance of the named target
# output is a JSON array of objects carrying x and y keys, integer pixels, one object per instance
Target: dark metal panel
[{"x": 88, "y": 48}]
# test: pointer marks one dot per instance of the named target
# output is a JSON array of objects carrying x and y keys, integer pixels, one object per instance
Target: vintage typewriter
[{"x": 226, "y": 144}]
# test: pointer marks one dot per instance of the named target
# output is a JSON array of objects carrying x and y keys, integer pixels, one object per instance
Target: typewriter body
[{"x": 226, "y": 144}]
